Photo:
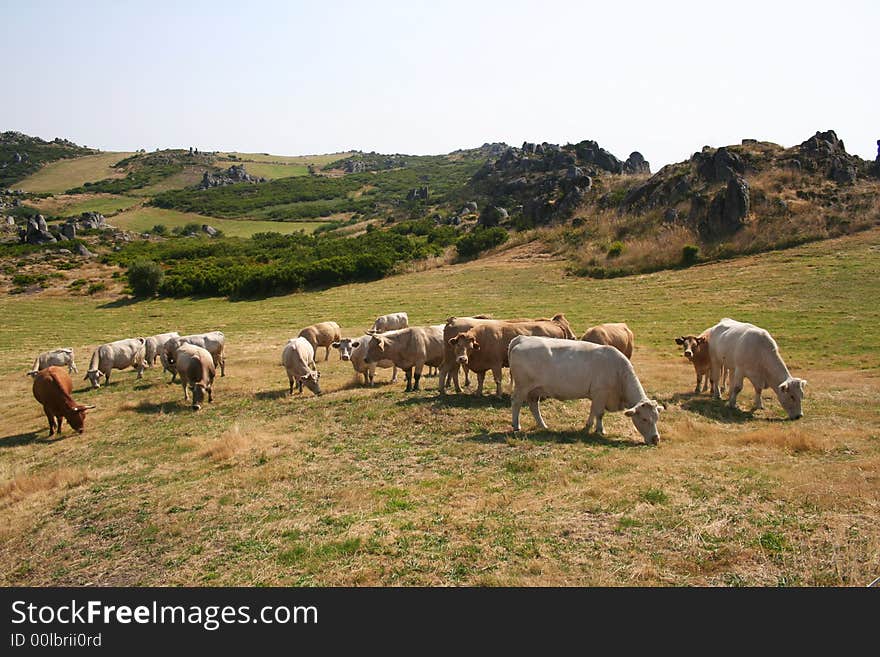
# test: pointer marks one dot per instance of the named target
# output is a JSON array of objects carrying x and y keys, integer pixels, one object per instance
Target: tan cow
[
  {"x": 616, "y": 335},
  {"x": 410, "y": 349},
  {"x": 213, "y": 341},
  {"x": 481, "y": 344},
  {"x": 323, "y": 334},
  {"x": 298, "y": 358},
  {"x": 115, "y": 356},
  {"x": 195, "y": 366}
]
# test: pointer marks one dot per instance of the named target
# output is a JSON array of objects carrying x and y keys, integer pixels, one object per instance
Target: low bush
[{"x": 479, "y": 240}]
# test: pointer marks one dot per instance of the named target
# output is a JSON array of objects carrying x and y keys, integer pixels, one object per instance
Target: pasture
[
  {"x": 143, "y": 218},
  {"x": 58, "y": 177},
  {"x": 378, "y": 487}
]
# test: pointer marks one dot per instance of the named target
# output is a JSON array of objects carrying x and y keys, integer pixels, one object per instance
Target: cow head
[
  {"x": 198, "y": 395},
  {"x": 346, "y": 346},
  {"x": 94, "y": 377},
  {"x": 463, "y": 344},
  {"x": 790, "y": 394},
  {"x": 644, "y": 416},
  {"x": 691, "y": 345},
  {"x": 310, "y": 381},
  {"x": 76, "y": 417},
  {"x": 170, "y": 350},
  {"x": 376, "y": 349}
]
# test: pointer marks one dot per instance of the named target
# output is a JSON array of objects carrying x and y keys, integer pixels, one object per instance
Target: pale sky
[{"x": 663, "y": 78}]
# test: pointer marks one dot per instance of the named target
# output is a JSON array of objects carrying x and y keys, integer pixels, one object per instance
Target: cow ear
[
  {"x": 803, "y": 384},
  {"x": 476, "y": 346},
  {"x": 630, "y": 412},
  {"x": 679, "y": 340},
  {"x": 783, "y": 387}
]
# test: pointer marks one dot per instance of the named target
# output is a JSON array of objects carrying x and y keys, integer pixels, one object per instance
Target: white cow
[
  {"x": 62, "y": 357},
  {"x": 390, "y": 322},
  {"x": 196, "y": 369},
  {"x": 153, "y": 346},
  {"x": 115, "y": 356},
  {"x": 354, "y": 350},
  {"x": 569, "y": 369},
  {"x": 214, "y": 342},
  {"x": 298, "y": 358},
  {"x": 750, "y": 352}
]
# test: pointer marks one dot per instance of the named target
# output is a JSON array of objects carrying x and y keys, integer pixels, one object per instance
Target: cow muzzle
[
  {"x": 344, "y": 357},
  {"x": 462, "y": 359},
  {"x": 689, "y": 354}
]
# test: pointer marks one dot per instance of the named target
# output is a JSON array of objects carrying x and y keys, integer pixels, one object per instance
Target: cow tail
[{"x": 95, "y": 360}]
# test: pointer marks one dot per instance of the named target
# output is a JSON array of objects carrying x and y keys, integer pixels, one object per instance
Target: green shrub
[
  {"x": 160, "y": 229},
  {"x": 689, "y": 255},
  {"x": 479, "y": 240},
  {"x": 615, "y": 249},
  {"x": 96, "y": 287},
  {"x": 145, "y": 278}
]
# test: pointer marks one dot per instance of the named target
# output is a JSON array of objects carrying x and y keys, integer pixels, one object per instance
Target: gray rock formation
[
  {"x": 83, "y": 251},
  {"x": 234, "y": 174},
  {"x": 36, "y": 232},
  {"x": 636, "y": 163},
  {"x": 418, "y": 193},
  {"x": 728, "y": 211},
  {"x": 210, "y": 230}
]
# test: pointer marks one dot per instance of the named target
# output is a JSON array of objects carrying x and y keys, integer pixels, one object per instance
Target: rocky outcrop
[
  {"x": 210, "y": 230},
  {"x": 825, "y": 153},
  {"x": 417, "y": 193},
  {"x": 589, "y": 152},
  {"x": 728, "y": 211},
  {"x": 234, "y": 174},
  {"x": 636, "y": 163},
  {"x": 36, "y": 232}
]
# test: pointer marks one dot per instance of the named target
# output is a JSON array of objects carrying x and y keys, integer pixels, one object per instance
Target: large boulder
[
  {"x": 636, "y": 163},
  {"x": 825, "y": 153},
  {"x": 589, "y": 152},
  {"x": 36, "y": 231}
]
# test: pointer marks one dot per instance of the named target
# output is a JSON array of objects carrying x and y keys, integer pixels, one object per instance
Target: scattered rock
[
  {"x": 418, "y": 193},
  {"x": 36, "y": 232},
  {"x": 234, "y": 174},
  {"x": 210, "y": 230}
]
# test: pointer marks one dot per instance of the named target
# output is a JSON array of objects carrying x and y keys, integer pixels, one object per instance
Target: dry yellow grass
[{"x": 62, "y": 175}]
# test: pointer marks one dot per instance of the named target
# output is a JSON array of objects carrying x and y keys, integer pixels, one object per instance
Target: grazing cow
[
  {"x": 154, "y": 344},
  {"x": 62, "y": 357},
  {"x": 618, "y": 336},
  {"x": 410, "y": 349},
  {"x": 481, "y": 345},
  {"x": 195, "y": 366},
  {"x": 323, "y": 334},
  {"x": 354, "y": 350},
  {"x": 52, "y": 388},
  {"x": 565, "y": 369},
  {"x": 390, "y": 322},
  {"x": 750, "y": 352},
  {"x": 115, "y": 356},
  {"x": 213, "y": 341},
  {"x": 298, "y": 358}
]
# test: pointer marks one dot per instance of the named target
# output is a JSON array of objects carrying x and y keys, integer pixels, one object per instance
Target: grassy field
[
  {"x": 57, "y": 177},
  {"x": 144, "y": 218},
  {"x": 316, "y": 160},
  {"x": 270, "y": 170},
  {"x": 67, "y": 205},
  {"x": 362, "y": 487}
]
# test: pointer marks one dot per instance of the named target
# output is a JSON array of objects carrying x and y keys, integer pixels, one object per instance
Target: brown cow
[
  {"x": 52, "y": 388},
  {"x": 410, "y": 349},
  {"x": 618, "y": 336},
  {"x": 481, "y": 344},
  {"x": 323, "y": 334},
  {"x": 696, "y": 350}
]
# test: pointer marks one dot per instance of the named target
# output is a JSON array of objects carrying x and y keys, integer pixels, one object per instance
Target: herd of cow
[{"x": 545, "y": 359}]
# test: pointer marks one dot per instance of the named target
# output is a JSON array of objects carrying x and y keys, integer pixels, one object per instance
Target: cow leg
[
  {"x": 394, "y": 374},
  {"x": 480, "y": 378},
  {"x": 290, "y": 392},
  {"x": 535, "y": 408},
  {"x": 58, "y": 420},
  {"x": 418, "y": 374},
  {"x": 210, "y": 390},
  {"x": 51, "y": 419},
  {"x": 496, "y": 374},
  {"x": 597, "y": 410},
  {"x": 408, "y": 372},
  {"x": 699, "y": 383},
  {"x": 715, "y": 374},
  {"x": 223, "y": 365},
  {"x": 758, "y": 403},
  {"x": 185, "y": 395},
  {"x": 140, "y": 370},
  {"x": 736, "y": 386},
  {"x": 515, "y": 406},
  {"x": 467, "y": 376},
  {"x": 299, "y": 387},
  {"x": 107, "y": 377}
]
